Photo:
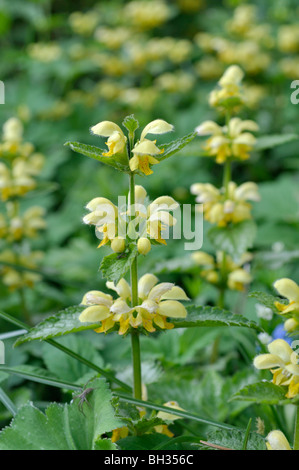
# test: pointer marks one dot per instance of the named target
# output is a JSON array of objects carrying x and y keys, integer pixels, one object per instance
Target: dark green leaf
[
  {"x": 213, "y": 316},
  {"x": 271, "y": 141},
  {"x": 64, "y": 322},
  {"x": 175, "y": 146},
  {"x": 268, "y": 300},
  {"x": 64, "y": 427},
  {"x": 131, "y": 123},
  {"x": 115, "y": 267},
  {"x": 234, "y": 440},
  {"x": 265, "y": 393}
]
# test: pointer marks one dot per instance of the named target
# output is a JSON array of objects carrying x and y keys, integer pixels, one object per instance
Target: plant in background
[
  {"x": 228, "y": 207},
  {"x": 19, "y": 166}
]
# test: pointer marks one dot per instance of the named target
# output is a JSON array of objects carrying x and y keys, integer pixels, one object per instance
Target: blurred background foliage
[{"x": 68, "y": 65}]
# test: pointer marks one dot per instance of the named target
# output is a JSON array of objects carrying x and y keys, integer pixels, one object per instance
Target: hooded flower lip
[
  {"x": 157, "y": 302},
  {"x": 276, "y": 440},
  {"x": 229, "y": 93},
  {"x": 290, "y": 290},
  {"x": 145, "y": 150},
  {"x": 116, "y": 142},
  {"x": 283, "y": 363},
  {"x": 231, "y": 141}
]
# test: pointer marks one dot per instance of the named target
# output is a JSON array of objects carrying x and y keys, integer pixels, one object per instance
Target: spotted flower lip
[{"x": 157, "y": 302}]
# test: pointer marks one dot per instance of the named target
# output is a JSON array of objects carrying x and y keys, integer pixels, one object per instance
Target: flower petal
[
  {"x": 287, "y": 288},
  {"x": 94, "y": 314},
  {"x": 172, "y": 308},
  {"x": 145, "y": 284}
]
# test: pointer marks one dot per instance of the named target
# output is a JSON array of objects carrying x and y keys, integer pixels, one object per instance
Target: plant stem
[
  {"x": 137, "y": 389},
  {"x": 296, "y": 435}
]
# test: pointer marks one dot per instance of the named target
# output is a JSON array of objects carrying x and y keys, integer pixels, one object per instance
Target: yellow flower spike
[
  {"x": 276, "y": 440},
  {"x": 203, "y": 259}
]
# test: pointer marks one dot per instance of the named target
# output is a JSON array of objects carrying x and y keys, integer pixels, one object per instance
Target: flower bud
[
  {"x": 118, "y": 245},
  {"x": 144, "y": 246}
]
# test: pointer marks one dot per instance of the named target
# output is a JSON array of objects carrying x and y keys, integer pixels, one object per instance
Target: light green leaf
[
  {"x": 213, "y": 316},
  {"x": 63, "y": 323},
  {"x": 175, "y": 146},
  {"x": 271, "y": 141},
  {"x": 114, "y": 267},
  {"x": 234, "y": 240},
  {"x": 118, "y": 161},
  {"x": 265, "y": 393},
  {"x": 131, "y": 123},
  {"x": 64, "y": 427}
]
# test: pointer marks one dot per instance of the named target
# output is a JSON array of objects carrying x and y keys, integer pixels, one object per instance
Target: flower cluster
[
  {"x": 117, "y": 228},
  {"x": 222, "y": 208},
  {"x": 19, "y": 167},
  {"x": 157, "y": 302},
  {"x": 236, "y": 277},
  {"x": 144, "y": 151},
  {"x": 283, "y": 363},
  {"x": 229, "y": 142}
]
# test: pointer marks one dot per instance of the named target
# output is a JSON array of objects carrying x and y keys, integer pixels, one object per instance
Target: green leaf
[
  {"x": 213, "y": 316},
  {"x": 118, "y": 161},
  {"x": 267, "y": 300},
  {"x": 264, "y": 393},
  {"x": 131, "y": 123},
  {"x": 63, "y": 323},
  {"x": 64, "y": 427},
  {"x": 175, "y": 146},
  {"x": 37, "y": 374},
  {"x": 114, "y": 267},
  {"x": 271, "y": 141},
  {"x": 234, "y": 440},
  {"x": 234, "y": 240},
  {"x": 67, "y": 368},
  {"x": 148, "y": 442}
]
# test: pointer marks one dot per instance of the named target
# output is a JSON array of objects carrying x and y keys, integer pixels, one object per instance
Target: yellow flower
[
  {"x": 229, "y": 93},
  {"x": 16, "y": 279},
  {"x": 12, "y": 130},
  {"x": 221, "y": 208},
  {"x": 237, "y": 278},
  {"x": 150, "y": 221},
  {"x": 290, "y": 290},
  {"x": 283, "y": 363},
  {"x": 157, "y": 302},
  {"x": 163, "y": 428},
  {"x": 116, "y": 142},
  {"x": 145, "y": 150},
  {"x": 276, "y": 440},
  {"x": 229, "y": 142}
]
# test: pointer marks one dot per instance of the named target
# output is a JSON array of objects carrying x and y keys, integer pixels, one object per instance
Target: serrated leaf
[
  {"x": 64, "y": 427},
  {"x": 175, "y": 146},
  {"x": 63, "y": 323},
  {"x": 213, "y": 316},
  {"x": 264, "y": 393},
  {"x": 275, "y": 140},
  {"x": 267, "y": 300},
  {"x": 118, "y": 161},
  {"x": 234, "y": 240},
  {"x": 131, "y": 123},
  {"x": 147, "y": 442},
  {"x": 234, "y": 440},
  {"x": 114, "y": 267}
]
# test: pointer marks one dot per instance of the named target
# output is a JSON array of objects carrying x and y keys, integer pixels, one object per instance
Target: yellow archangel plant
[{"x": 131, "y": 228}]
